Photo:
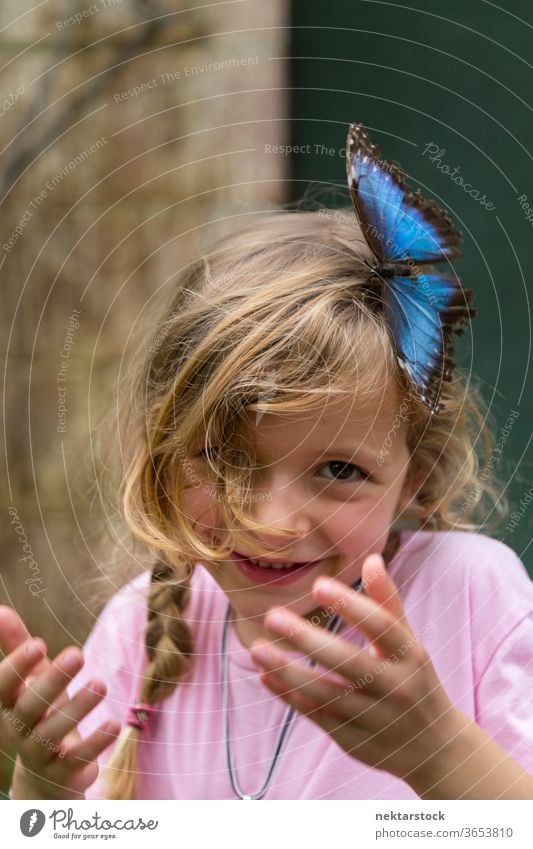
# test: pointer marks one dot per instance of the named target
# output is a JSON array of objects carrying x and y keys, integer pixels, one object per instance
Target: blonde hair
[{"x": 274, "y": 318}]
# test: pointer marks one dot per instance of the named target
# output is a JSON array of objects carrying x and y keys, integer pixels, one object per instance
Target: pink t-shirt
[{"x": 468, "y": 598}]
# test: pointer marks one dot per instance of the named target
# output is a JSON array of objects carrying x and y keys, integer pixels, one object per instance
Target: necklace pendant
[{"x": 247, "y": 797}]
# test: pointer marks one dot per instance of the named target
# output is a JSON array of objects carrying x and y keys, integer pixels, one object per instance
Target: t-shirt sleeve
[
  {"x": 114, "y": 652},
  {"x": 504, "y": 694}
]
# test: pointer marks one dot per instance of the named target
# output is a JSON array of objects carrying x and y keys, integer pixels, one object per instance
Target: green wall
[{"x": 459, "y": 76}]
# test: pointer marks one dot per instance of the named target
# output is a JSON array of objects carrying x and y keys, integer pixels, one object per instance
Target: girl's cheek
[
  {"x": 200, "y": 508},
  {"x": 369, "y": 529}
]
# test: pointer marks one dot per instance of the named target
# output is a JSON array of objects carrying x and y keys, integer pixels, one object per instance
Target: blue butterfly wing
[
  {"x": 422, "y": 313},
  {"x": 402, "y": 227},
  {"x": 398, "y": 224}
]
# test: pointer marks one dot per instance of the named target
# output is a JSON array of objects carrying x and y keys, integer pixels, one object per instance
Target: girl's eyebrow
[{"x": 364, "y": 454}]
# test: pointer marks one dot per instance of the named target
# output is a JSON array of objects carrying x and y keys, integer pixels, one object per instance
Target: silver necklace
[{"x": 333, "y": 625}]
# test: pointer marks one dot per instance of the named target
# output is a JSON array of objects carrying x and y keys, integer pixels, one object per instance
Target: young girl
[{"x": 271, "y": 419}]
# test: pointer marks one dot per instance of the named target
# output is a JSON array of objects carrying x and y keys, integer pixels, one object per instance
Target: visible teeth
[{"x": 266, "y": 565}]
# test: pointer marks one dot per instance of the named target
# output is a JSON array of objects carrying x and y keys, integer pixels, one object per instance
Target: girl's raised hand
[
  {"x": 39, "y": 721},
  {"x": 385, "y": 707}
]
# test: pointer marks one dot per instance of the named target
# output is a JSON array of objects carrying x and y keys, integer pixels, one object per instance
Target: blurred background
[{"x": 134, "y": 132}]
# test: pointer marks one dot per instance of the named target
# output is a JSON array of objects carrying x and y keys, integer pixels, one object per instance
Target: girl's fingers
[
  {"x": 379, "y": 625},
  {"x": 81, "y": 753},
  {"x": 331, "y": 723},
  {"x": 64, "y": 717},
  {"x": 13, "y": 633},
  {"x": 61, "y": 700},
  {"x": 16, "y": 667},
  {"x": 317, "y": 687},
  {"x": 332, "y": 651},
  {"x": 381, "y": 588},
  {"x": 336, "y": 726},
  {"x": 58, "y": 705},
  {"x": 47, "y": 687},
  {"x": 294, "y": 698}
]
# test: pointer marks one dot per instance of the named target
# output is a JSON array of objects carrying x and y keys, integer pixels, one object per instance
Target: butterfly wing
[
  {"x": 423, "y": 313},
  {"x": 398, "y": 224}
]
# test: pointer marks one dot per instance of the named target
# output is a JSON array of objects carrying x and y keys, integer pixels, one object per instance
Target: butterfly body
[
  {"x": 389, "y": 269},
  {"x": 407, "y": 235}
]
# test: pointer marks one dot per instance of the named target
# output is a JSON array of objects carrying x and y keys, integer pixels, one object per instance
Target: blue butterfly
[{"x": 404, "y": 230}]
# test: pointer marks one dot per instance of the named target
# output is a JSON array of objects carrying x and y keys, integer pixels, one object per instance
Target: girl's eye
[
  {"x": 345, "y": 468},
  {"x": 342, "y": 472}
]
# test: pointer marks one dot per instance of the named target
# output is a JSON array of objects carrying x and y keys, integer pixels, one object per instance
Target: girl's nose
[{"x": 284, "y": 506}]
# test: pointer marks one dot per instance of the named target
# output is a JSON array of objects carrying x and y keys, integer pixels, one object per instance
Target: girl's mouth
[{"x": 267, "y": 575}]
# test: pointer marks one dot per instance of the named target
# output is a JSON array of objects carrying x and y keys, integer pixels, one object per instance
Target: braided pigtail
[{"x": 169, "y": 646}]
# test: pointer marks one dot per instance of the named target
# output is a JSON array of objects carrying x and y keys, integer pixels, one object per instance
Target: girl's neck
[{"x": 391, "y": 547}]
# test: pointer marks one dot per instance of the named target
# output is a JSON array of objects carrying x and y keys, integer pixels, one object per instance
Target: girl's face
[{"x": 338, "y": 478}]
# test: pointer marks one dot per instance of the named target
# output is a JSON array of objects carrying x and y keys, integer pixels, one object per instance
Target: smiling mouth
[
  {"x": 277, "y": 574},
  {"x": 277, "y": 565}
]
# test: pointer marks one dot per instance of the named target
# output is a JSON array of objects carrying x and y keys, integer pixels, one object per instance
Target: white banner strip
[{"x": 270, "y": 824}]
